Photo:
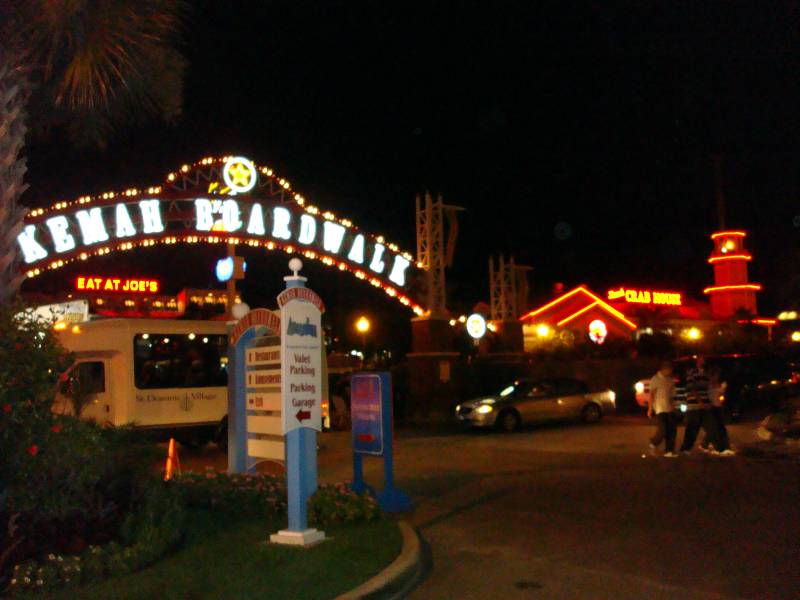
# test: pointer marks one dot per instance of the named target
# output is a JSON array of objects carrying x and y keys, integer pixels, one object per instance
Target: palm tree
[{"x": 83, "y": 65}]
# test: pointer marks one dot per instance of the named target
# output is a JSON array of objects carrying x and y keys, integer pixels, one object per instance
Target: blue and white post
[{"x": 301, "y": 390}]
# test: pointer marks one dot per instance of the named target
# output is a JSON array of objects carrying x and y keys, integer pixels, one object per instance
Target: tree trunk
[{"x": 13, "y": 97}]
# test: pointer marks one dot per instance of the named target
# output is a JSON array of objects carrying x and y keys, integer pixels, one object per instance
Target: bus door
[{"x": 88, "y": 394}]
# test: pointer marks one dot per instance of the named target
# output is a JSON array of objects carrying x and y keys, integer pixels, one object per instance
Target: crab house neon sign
[
  {"x": 634, "y": 296},
  {"x": 217, "y": 212}
]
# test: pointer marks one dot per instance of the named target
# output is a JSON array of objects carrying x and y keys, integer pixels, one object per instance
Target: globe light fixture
[
  {"x": 476, "y": 326},
  {"x": 362, "y": 325}
]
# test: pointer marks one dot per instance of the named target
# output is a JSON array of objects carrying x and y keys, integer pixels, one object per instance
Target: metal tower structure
[
  {"x": 433, "y": 253},
  {"x": 508, "y": 288}
]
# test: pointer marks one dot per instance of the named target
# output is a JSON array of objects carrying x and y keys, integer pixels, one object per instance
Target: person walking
[
  {"x": 662, "y": 389},
  {"x": 716, "y": 438},
  {"x": 697, "y": 383}
]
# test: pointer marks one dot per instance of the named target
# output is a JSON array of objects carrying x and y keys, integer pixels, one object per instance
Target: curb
[{"x": 400, "y": 577}]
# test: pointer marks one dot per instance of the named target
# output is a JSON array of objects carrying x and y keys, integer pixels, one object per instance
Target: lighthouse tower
[{"x": 732, "y": 290}]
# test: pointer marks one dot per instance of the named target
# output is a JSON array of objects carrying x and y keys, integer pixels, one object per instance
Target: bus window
[
  {"x": 92, "y": 377},
  {"x": 170, "y": 360}
]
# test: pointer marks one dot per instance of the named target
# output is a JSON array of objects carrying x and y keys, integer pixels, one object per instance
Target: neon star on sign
[{"x": 239, "y": 174}]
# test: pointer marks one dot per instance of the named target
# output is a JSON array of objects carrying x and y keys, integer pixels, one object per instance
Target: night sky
[{"x": 577, "y": 136}]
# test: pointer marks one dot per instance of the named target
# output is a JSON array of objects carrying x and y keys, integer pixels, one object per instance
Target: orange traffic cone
[{"x": 173, "y": 462}]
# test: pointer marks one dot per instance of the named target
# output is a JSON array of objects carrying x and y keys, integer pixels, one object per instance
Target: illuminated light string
[
  {"x": 580, "y": 289},
  {"x": 268, "y": 245},
  {"x": 715, "y": 259},
  {"x": 205, "y": 162},
  {"x": 720, "y": 234},
  {"x": 722, "y": 288}
]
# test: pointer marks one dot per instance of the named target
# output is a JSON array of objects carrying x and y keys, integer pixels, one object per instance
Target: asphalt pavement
[{"x": 583, "y": 511}]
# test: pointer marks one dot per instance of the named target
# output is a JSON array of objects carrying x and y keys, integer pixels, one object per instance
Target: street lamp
[{"x": 362, "y": 326}]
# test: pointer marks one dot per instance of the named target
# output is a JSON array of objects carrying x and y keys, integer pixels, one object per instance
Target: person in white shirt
[{"x": 662, "y": 390}]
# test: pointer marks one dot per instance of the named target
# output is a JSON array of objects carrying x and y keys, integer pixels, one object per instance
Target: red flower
[
  {"x": 63, "y": 377},
  {"x": 6, "y": 408},
  {"x": 33, "y": 450},
  {"x": 55, "y": 428}
]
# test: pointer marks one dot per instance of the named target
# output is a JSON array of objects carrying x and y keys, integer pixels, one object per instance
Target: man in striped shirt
[{"x": 697, "y": 382}]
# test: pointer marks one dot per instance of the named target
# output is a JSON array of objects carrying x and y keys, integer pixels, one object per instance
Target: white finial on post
[
  {"x": 293, "y": 280},
  {"x": 295, "y": 265}
]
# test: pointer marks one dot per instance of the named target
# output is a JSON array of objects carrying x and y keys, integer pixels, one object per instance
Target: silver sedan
[{"x": 533, "y": 401}]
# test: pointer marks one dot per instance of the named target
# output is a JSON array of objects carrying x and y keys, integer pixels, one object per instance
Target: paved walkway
[{"x": 576, "y": 511}]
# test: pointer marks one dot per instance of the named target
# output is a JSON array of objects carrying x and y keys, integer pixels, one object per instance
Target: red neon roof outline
[
  {"x": 714, "y": 259},
  {"x": 576, "y": 314},
  {"x": 724, "y": 233},
  {"x": 597, "y": 301},
  {"x": 723, "y": 288}
]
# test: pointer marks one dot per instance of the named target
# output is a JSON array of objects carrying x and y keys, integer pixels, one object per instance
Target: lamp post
[{"x": 362, "y": 326}]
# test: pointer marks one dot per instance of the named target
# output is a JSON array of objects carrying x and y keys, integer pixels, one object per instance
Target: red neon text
[{"x": 117, "y": 284}]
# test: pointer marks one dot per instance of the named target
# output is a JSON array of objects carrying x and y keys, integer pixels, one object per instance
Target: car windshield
[{"x": 517, "y": 387}]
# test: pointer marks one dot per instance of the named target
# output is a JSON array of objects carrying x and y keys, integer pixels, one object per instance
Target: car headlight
[
  {"x": 485, "y": 408},
  {"x": 458, "y": 407},
  {"x": 612, "y": 394},
  {"x": 683, "y": 408},
  {"x": 639, "y": 387}
]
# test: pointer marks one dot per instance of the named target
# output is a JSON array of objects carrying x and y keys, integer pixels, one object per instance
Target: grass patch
[{"x": 226, "y": 557}]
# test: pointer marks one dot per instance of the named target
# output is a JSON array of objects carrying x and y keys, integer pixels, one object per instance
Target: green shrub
[
  {"x": 237, "y": 494},
  {"x": 333, "y": 504},
  {"x": 153, "y": 527}
]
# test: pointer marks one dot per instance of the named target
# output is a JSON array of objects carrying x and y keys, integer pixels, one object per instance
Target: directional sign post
[
  {"x": 245, "y": 331},
  {"x": 371, "y": 415},
  {"x": 301, "y": 399}
]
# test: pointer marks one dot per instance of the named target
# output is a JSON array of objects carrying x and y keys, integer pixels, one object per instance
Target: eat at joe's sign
[{"x": 135, "y": 285}]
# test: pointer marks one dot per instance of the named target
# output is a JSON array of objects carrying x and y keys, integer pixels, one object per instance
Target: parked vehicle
[
  {"x": 753, "y": 381},
  {"x": 168, "y": 377},
  {"x": 532, "y": 401}
]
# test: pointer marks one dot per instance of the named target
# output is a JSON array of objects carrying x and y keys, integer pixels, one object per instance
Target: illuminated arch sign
[{"x": 228, "y": 200}]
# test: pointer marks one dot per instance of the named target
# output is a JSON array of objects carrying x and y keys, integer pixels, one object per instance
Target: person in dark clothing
[
  {"x": 697, "y": 383},
  {"x": 716, "y": 434}
]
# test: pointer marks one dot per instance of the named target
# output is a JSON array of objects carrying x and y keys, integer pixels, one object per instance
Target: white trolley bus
[{"x": 166, "y": 376}]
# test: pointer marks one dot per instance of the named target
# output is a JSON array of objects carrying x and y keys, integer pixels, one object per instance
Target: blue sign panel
[{"x": 367, "y": 399}]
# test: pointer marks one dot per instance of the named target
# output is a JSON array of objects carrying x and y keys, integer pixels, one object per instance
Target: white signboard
[
  {"x": 76, "y": 311},
  {"x": 301, "y": 351}
]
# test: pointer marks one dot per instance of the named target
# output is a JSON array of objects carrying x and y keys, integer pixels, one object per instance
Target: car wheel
[
  {"x": 508, "y": 421},
  {"x": 591, "y": 413}
]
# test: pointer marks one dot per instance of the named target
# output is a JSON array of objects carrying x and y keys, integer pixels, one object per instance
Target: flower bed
[
  {"x": 266, "y": 494},
  {"x": 145, "y": 536}
]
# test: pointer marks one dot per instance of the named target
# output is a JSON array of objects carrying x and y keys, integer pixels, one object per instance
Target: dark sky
[{"x": 576, "y": 135}]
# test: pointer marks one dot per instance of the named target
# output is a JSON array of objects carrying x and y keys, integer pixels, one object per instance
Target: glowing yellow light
[
  {"x": 543, "y": 330},
  {"x": 362, "y": 325},
  {"x": 60, "y": 326},
  {"x": 240, "y": 175},
  {"x": 693, "y": 333},
  {"x": 462, "y": 319},
  {"x": 796, "y": 336}
]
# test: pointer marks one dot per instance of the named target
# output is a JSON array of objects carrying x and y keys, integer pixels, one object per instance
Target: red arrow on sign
[
  {"x": 366, "y": 437},
  {"x": 302, "y": 415}
]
